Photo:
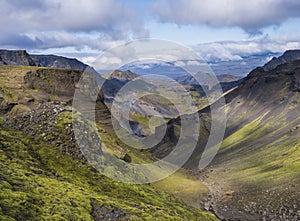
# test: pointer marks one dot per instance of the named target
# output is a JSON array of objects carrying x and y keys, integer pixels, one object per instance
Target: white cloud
[
  {"x": 89, "y": 60},
  {"x": 249, "y": 15},
  {"x": 234, "y": 50},
  {"x": 179, "y": 63},
  {"x": 194, "y": 63},
  {"x": 147, "y": 50},
  {"x": 51, "y": 23}
]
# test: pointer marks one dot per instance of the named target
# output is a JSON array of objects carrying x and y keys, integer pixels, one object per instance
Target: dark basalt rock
[
  {"x": 16, "y": 57},
  {"x": 106, "y": 213}
]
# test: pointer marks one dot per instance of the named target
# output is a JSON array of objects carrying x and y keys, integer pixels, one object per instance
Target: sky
[{"x": 216, "y": 29}]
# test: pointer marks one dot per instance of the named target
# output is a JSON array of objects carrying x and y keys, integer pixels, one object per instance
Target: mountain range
[{"x": 254, "y": 176}]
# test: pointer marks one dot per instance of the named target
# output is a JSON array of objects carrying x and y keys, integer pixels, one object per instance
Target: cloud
[
  {"x": 39, "y": 22},
  {"x": 215, "y": 52},
  {"x": 248, "y": 15},
  {"x": 235, "y": 50}
]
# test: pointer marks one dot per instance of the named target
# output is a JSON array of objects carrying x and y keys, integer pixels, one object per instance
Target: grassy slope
[
  {"x": 257, "y": 168},
  {"x": 39, "y": 182},
  {"x": 181, "y": 184}
]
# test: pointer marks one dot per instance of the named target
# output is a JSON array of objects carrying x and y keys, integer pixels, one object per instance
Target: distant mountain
[
  {"x": 16, "y": 58},
  {"x": 227, "y": 78},
  {"x": 290, "y": 55},
  {"x": 121, "y": 75},
  {"x": 239, "y": 68},
  {"x": 157, "y": 68},
  {"x": 190, "y": 80},
  {"x": 22, "y": 58},
  {"x": 55, "y": 61}
]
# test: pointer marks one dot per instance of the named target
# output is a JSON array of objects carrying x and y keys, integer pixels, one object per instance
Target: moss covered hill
[
  {"x": 255, "y": 175},
  {"x": 43, "y": 175}
]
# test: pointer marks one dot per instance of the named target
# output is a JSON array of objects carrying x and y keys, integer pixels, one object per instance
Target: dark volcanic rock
[
  {"x": 53, "y": 81},
  {"x": 105, "y": 213},
  {"x": 288, "y": 56},
  {"x": 46, "y": 121},
  {"x": 58, "y": 62},
  {"x": 295, "y": 86},
  {"x": 22, "y": 58},
  {"x": 16, "y": 57},
  {"x": 122, "y": 75}
]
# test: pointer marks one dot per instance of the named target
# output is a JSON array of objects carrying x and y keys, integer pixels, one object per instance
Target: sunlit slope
[{"x": 256, "y": 173}]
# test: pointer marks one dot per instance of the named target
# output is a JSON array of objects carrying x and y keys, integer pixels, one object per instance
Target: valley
[{"x": 44, "y": 175}]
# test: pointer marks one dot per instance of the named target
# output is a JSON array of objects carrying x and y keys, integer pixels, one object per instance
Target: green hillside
[
  {"x": 256, "y": 172},
  {"x": 43, "y": 173}
]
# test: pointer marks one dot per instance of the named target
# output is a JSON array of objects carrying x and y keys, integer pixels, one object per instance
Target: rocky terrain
[
  {"x": 22, "y": 58},
  {"x": 55, "y": 61},
  {"x": 17, "y": 58},
  {"x": 22, "y": 88},
  {"x": 287, "y": 56}
]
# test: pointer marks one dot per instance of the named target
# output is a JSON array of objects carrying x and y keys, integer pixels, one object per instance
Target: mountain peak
[
  {"x": 288, "y": 56},
  {"x": 122, "y": 75}
]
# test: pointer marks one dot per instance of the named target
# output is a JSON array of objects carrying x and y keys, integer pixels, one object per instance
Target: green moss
[
  {"x": 184, "y": 186},
  {"x": 8, "y": 93},
  {"x": 39, "y": 182}
]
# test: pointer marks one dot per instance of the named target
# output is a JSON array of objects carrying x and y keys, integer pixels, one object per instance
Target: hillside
[
  {"x": 43, "y": 178},
  {"x": 255, "y": 175},
  {"x": 258, "y": 163},
  {"x": 43, "y": 173}
]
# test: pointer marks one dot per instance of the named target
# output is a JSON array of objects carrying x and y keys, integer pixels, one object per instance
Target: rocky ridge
[{"x": 22, "y": 58}]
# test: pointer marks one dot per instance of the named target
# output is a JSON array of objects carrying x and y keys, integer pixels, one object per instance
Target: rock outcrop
[
  {"x": 288, "y": 56},
  {"x": 16, "y": 58},
  {"x": 22, "y": 58}
]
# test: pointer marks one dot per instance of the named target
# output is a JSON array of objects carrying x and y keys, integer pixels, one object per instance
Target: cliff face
[
  {"x": 16, "y": 57},
  {"x": 22, "y": 58},
  {"x": 58, "y": 62},
  {"x": 22, "y": 88},
  {"x": 53, "y": 81}
]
